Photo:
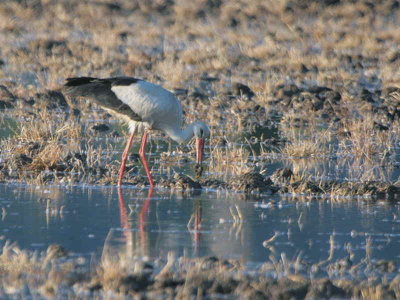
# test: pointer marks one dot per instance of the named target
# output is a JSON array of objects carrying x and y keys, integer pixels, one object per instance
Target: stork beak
[{"x": 199, "y": 150}]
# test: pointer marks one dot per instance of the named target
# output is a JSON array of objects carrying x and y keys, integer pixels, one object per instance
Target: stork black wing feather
[{"x": 99, "y": 90}]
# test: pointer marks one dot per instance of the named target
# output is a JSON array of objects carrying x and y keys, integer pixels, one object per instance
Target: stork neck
[{"x": 180, "y": 136}]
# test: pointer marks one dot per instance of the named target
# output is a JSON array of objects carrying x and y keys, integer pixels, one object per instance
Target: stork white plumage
[{"x": 144, "y": 106}]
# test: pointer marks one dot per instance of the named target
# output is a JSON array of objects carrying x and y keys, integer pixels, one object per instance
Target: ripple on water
[{"x": 82, "y": 219}]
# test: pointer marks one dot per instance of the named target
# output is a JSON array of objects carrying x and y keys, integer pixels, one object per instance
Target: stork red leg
[
  {"x": 124, "y": 158},
  {"x": 142, "y": 155}
]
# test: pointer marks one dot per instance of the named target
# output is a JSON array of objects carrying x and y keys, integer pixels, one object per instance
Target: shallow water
[{"x": 82, "y": 218}]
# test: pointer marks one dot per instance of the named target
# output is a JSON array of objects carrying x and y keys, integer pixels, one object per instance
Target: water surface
[{"x": 202, "y": 224}]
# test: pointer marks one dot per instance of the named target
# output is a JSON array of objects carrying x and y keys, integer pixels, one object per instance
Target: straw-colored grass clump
[
  {"x": 54, "y": 273},
  {"x": 331, "y": 87}
]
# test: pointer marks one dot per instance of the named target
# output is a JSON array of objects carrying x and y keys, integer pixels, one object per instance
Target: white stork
[{"x": 144, "y": 106}]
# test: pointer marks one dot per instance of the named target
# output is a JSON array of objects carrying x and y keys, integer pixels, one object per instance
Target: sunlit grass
[
  {"x": 121, "y": 272},
  {"x": 229, "y": 161},
  {"x": 205, "y": 51}
]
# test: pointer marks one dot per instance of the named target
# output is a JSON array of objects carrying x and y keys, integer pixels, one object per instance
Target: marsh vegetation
[{"x": 302, "y": 97}]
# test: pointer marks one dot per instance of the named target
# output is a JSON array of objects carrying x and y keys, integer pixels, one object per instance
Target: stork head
[{"x": 201, "y": 132}]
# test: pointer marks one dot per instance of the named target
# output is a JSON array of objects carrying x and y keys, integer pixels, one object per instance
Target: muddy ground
[{"x": 321, "y": 76}]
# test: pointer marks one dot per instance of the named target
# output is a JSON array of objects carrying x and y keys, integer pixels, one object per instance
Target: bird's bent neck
[{"x": 180, "y": 136}]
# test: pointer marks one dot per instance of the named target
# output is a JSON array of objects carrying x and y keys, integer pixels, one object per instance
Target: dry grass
[
  {"x": 120, "y": 273},
  {"x": 179, "y": 44},
  {"x": 49, "y": 132},
  {"x": 366, "y": 142},
  {"x": 301, "y": 148},
  {"x": 22, "y": 268},
  {"x": 261, "y": 44},
  {"x": 229, "y": 161},
  {"x": 49, "y": 143}
]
